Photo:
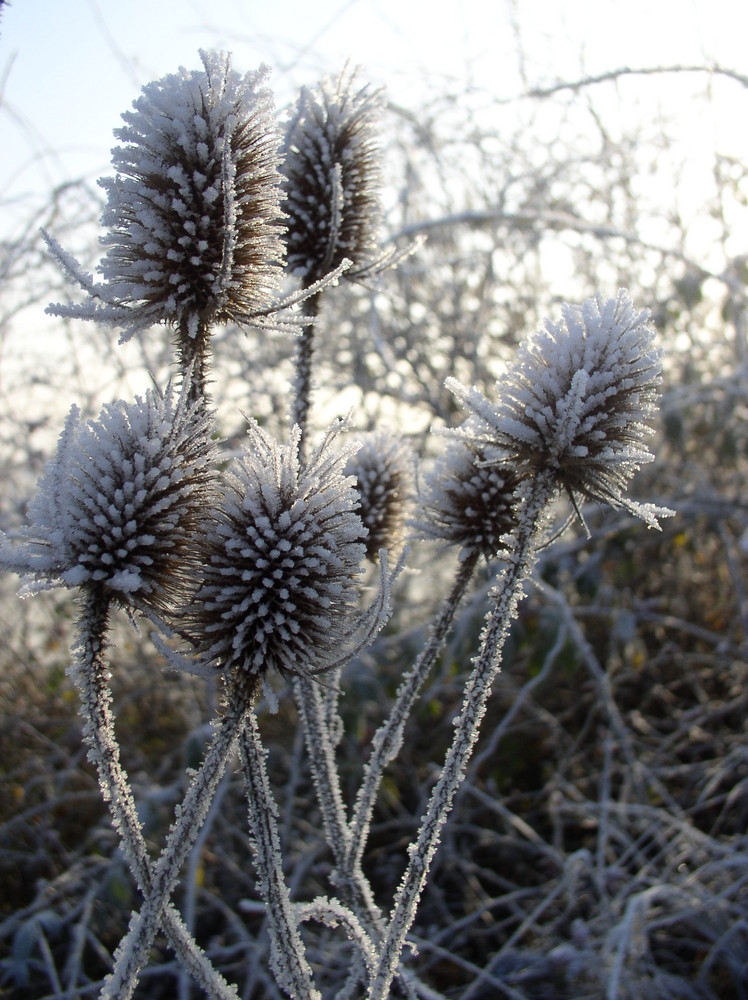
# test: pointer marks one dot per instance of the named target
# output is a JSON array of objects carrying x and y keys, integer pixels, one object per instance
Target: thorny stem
[
  {"x": 506, "y": 596},
  {"x": 388, "y": 738},
  {"x": 303, "y": 379},
  {"x": 292, "y": 971},
  {"x": 133, "y": 951},
  {"x": 91, "y": 678}
]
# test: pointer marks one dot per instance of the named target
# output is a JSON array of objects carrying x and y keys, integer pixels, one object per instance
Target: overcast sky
[{"x": 68, "y": 68}]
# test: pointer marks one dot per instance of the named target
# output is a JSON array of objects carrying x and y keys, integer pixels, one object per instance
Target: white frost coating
[
  {"x": 333, "y": 181},
  {"x": 281, "y": 582},
  {"x": 289, "y": 963},
  {"x": 90, "y": 673},
  {"x": 192, "y": 221},
  {"x": 578, "y": 401},
  {"x": 121, "y": 502}
]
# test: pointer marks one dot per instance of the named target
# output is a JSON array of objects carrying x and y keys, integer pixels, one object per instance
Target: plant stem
[
  {"x": 291, "y": 969},
  {"x": 389, "y": 737},
  {"x": 133, "y": 951},
  {"x": 302, "y": 389},
  {"x": 192, "y": 351},
  {"x": 90, "y": 675},
  {"x": 506, "y": 596}
]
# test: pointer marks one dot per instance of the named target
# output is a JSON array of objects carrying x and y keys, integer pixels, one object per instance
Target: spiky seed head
[
  {"x": 466, "y": 502},
  {"x": 578, "y": 401},
  {"x": 280, "y": 585},
  {"x": 383, "y": 470},
  {"x": 193, "y": 227},
  {"x": 332, "y": 179},
  {"x": 121, "y": 505}
]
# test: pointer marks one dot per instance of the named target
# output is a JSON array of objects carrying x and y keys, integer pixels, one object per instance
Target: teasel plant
[
  {"x": 251, "y": 568},
  {"x": 193, "y": 237},
  {"x": 193, "y": 226},
  {"x": 572, "y": 415},
  {"x": 332, "y": 180},
  {"x": 332, "y": 203},
  {"x": 117, "y": 517}
]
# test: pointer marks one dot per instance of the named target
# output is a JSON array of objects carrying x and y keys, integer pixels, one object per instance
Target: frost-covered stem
[
  {"x": 388, "y": 738},
  {"x": 505, "y": 598},
  {"x": 193, "y": 345},
  {"x": 333, "y": 914},
  {"x": 291, "y": 969},
  {"x": 302, "y": 389},
  {"x": 353, "y": 885},
  {"x": 321, "y": 754},
  {"x": 133, "y": 951},
  {"x": 91, "y": 678}
]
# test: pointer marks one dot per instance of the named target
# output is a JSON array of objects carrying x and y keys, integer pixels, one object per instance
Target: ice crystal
[
  {"x": 192, "y": 220},
  {"x": 121, "y": 504},
  {"x": 383, "y": 469},
  {"x": 578, "y": 402},
  {"x": 332, "y": 182},
  {"x": 279, "y": 588},
  {"x": 467, "y": 502}
]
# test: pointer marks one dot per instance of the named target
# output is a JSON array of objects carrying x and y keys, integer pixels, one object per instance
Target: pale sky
[{"x": 69, "y": 68}]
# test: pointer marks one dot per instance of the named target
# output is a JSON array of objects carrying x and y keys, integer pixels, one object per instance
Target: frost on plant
[
  {"x": 332, "y": 179},
  {"x": 121, "y": 504},
  {"x": 577, "y": 403},
  {"x": 383, "y": 470},
  {"x": 468, "y": 501},
  {"x": 280, "y": 585},
  {"x": 258, "y": 565},
  {"x": 192, "y": 220}
]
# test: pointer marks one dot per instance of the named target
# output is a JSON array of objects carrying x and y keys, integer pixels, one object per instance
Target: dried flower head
[
  {"x": 279, "y": 587},
  {"x": 578, "y": 402},
  {"x": 466, "y": 502},
  {"x": 383, "y": 470},
  {"x": 121, "y": 504},
  {"x": 333, "y": 181},
  {"x": 193, "y": 220}
]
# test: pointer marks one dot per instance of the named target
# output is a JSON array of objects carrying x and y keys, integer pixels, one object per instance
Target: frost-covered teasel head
[
  {"x": 332, "y": 179},
  {"x": 578, "y": 402},
  {"x": 384, "y": 472},
  {"x": 193, "y": 230},
  {"x": 280, "y": 585},
  {"x": 121, "y": 505},
  {"x": 466, "y": 502}
]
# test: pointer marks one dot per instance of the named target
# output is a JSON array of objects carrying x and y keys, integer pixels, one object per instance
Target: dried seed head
[
  {"x": 466, "y": 502},
  {"x": 279, "y": 589},
  {"x": 578, "y": 402},
  {"x": 333, "y": 179},
  {"x": 122, "y": 503},
  {"x": 193, "y": 221},
  {"x": 383, "y": 470}
]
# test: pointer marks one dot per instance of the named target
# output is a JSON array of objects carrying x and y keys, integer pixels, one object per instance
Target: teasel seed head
[
  {"x": 332, "y": 180},
  {"x": 121, "y": 505},
  {"x": 466, "y": 502},
  {"x": 578, "y": 402},
  {"x": 384, "y": 472},
  {"x": 193, "y": 226},
  {"x": 279, "y": 589}
]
